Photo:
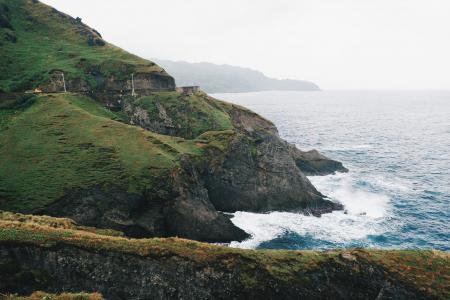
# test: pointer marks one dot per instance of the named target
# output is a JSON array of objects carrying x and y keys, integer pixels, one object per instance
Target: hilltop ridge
[
  {"x": 38, "y": 42},
  {"x": 214, "y": 78}
]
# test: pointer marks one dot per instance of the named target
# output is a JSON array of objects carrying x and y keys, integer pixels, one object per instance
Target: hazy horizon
[{"x": 347, "y": 44}]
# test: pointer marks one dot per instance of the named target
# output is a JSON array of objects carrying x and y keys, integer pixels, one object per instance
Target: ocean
[{"x": 396, "y": 145}]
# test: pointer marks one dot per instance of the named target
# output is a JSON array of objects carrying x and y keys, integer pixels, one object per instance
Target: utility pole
[
  {"x": 132, "y": 85},
  {"x": 64, "y": 82}
]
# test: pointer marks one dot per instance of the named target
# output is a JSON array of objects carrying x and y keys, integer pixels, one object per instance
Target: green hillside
[
  {"x": 36, "y": 40},
  {"x": 67, "y": 141},
  {"x": 54, "y": 143}
]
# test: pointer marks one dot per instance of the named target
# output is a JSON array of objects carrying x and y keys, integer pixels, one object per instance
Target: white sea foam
[
  {"x": 393, "y": 184},
  {"x": 356, "y": 201},
  {"x": 364, "y": 215}
]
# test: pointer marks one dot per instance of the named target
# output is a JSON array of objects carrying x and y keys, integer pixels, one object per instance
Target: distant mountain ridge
[{"x": 213, "y": 78}]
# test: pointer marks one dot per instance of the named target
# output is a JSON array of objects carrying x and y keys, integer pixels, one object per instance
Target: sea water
[{"x": 396, "y": 145}]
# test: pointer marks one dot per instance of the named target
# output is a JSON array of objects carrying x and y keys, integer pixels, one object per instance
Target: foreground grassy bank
[{"x": 425, "y": 272}]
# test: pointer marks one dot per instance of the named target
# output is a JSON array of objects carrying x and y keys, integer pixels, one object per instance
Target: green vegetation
[
  {"x": 23, "y": 101},
  {"x": 427, "y": 270},
  {"x": 64, "y": 296},
  {"x": 28, "y": 60},
  {"x": 53, "y": 222},
  {"x": 190, "y": 114},
  {"x": 216, "y": 139},
  {"x": 65, "y": 141},
  {"x": 94, "y": 108},
  {"x": 55, "y": 144}
]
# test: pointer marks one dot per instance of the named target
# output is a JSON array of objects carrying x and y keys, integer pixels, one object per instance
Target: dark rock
[
  {"x": 258, "y": 173},
  {"x": 26, "y": 268},
  {"x": 181, "y": 209},
  {"x": 314, "y": 163},
  {"x": 94, "y": 41},
  {"x": 258, "y": 170},
  {"x": 98, "y": 33},
  {"x": 193, "y": 216},
  {"x": 10, "y": 36},
  {"x": 4, "y": 17},
  {"x": 56, "y": 84}
]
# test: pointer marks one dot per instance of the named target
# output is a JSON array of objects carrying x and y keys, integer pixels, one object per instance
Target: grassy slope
[
  {"x": 46, "y": 41},
  {"x": 427, "y": 270},
  {"x": 61, "y": 142},
  {"x": 67, "y": 141},
  {"x": 192, "y": 114}
]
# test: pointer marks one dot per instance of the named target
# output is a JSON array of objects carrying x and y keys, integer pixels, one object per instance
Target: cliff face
[
  {"x": 258, "y": 172},
  {"x": 119, "y": 276},
  {"x": 56, "y": 255},
  {"x": 255, "y": 170},
  {"x": 143, "y": 83}
]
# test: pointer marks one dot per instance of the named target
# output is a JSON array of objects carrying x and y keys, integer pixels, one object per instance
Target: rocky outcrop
[
  {"x": 143, "y": 83},
  {"x": 259, "y": 172},
  {"x": 163, "y": 125},
  {"x": 180, "y": 208},
  {"x": 230, "y": 275},
  {"x": 314, "y": 163},
  {"x": 58, "y": 80},
  {"x": 7, "y": 32},
  {"x": 112, "y": 91},
  {"x": 262, "y": 177},
  {"x": 256, "y": 170},
  {"x": 5, "y": 22}
]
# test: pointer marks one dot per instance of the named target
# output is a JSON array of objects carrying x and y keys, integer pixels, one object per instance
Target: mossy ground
[
  {"x": 28, "y": 62},
  {"x": 67, "y": 141},
  {"x": 53, "y": 222},
  {"x": 193, "y": 114},
  {"x": 426, "y": 270}
]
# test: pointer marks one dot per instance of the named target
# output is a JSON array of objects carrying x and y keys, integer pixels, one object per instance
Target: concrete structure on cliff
[{"x": 188, "y": 90}]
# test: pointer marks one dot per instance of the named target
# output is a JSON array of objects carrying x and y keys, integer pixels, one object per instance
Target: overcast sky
[{"x": 338, "y": 44}]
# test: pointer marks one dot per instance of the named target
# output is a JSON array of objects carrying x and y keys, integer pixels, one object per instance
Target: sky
[{"x": 338, "y": 44}]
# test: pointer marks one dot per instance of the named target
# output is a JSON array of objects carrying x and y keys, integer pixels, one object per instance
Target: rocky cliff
[
  {"x": 157, "y": 163},
  {"x": 57, "y": 255}
]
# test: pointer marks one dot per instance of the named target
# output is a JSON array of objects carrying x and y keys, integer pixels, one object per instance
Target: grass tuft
[{"x": 39, "y": 295}]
